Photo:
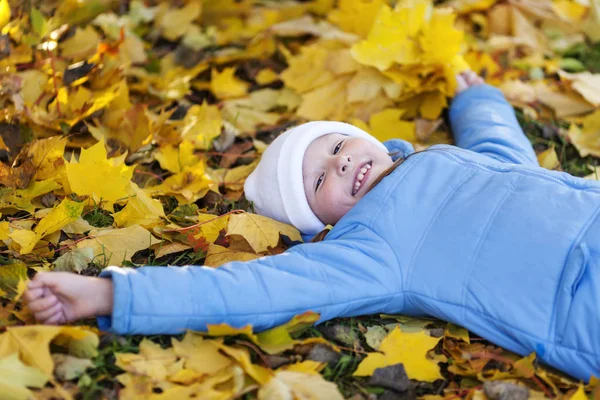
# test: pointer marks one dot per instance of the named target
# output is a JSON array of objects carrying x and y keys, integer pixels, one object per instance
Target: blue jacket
[{"x": 478, "y": 235}]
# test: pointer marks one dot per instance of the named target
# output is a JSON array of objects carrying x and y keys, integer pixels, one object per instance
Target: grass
[{"x": 98, "y": 217}]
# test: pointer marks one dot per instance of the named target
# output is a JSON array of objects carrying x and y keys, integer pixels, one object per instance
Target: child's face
[{"x": 337, "y": 171}]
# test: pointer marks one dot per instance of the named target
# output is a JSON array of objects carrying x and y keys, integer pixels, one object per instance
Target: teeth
[{"x": 360, "y": 176}]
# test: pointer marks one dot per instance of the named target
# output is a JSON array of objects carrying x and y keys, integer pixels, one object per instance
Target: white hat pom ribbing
[{"x": 276, "y": 185}]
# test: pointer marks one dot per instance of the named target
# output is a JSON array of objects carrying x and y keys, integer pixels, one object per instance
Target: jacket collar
[{"x": 401, "y": 147}]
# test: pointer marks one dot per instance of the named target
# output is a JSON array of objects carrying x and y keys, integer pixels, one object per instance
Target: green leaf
[
  {"x": 74, "y": 261},
  {"x": 10, "y": 276},
  {"x": 38, "y": 22},
  {"x": 572, "y": 65}
]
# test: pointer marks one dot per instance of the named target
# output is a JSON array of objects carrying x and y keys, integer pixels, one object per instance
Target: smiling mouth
[{"x": 360, "y": 176}]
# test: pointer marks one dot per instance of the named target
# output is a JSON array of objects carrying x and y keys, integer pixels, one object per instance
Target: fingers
[
  {"x": 472, "y": 78},
  {"x": 42, "y": 303},
  {"x": 56, "y": 319},
  {"x": 461, "y": 83},
  {"x": 32, "y": 295},
  {"x": 48, "y": 314}
]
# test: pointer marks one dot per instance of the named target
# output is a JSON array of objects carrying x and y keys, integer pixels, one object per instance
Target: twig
[{"x": 256, "y": 349}]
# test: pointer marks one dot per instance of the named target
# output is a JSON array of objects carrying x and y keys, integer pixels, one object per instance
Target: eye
[
  {"x": 338, "y": 147},
  {"x": 319, "y": 181}
]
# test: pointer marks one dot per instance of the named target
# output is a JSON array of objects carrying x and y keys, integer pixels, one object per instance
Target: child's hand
[
  {"x": 466, "y": 79},
  {"x": 63, "y": 297}
]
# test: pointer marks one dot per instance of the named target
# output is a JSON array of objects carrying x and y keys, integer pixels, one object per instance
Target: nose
[{"x": 343, "y": 162}]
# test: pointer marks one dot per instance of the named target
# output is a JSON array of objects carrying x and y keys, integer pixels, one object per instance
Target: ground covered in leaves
[{"x": 128, "y": 128}]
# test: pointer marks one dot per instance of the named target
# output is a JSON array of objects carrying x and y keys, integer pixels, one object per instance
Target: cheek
[{"x": 336, "y": 202}]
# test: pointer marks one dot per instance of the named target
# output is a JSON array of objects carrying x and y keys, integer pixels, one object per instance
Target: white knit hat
[{"x": 276, "y": 186}]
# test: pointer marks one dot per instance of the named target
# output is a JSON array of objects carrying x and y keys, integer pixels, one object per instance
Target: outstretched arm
[
  {"x": 347, "y": 276},
  {"x": 483, "y": 121}
]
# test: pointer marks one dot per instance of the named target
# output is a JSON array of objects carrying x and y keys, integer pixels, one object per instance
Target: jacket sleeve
[
  {"x": 352, "y": 275},
  {"x": 483, "y": 121}
]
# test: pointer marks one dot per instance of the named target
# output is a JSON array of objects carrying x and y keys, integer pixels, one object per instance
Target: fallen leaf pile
[{"x": 129, "y": 127}]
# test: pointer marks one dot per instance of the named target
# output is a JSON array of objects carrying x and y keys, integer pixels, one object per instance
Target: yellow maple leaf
[
  {"x": 201, "y": 124},
  {"x": 466, "y": 6},
  {"x": 4, "y": 230},
  {"x": 172, "y": 83},
  {"x": 191, "y": 184},
  {"x": 368, "y": 84},
  {"x": 33, "y": 84},
  {"x": 226, "y": 330},
  {"x": 568, "y": 9},
  {"x": 291, "y": 384},
  {"x": 152, "y": 361},
  {"x": 432, "y": 104},
  {"x": 4, "y": 13},
  {"x": 200, "y": 355},
  {"x": 586, "y": 83},
  {"x": 260, "y": 374},
  {"x": 355, "y": 16},
  {"x": 225, "y": 85},
  {"x": 587, "y": 138},
  {"x": 174, "y": 158},
  {"x": 82, "y": 44},
  {"x": 278, "y": 339},
  {"x": 219, "y": 255},
  {"x": 409, "y": 349},
  {"x": 307, "y": 70},
  {"x": 32, "y": 343},
  {"x": 392, "y": 38},
  {"x": 439, "y": 40},
  {"x": 482, "y": 63},
  {"x": 260, "y": 232},
  {"x": 47, "y": 156},
  {"x": 579, "y": 394},
  {"x": 113, "y": 246},
  {"x": 266, "y": 76},
  {"x": 21, "y": 198},
  {"x": 175, "y": 22},
  {"x": 98, "y": 177},
  {"x": 306, "y": 367},
  {"x": 66, "y": 212},
  {"x": 15, "y": 377},
  {"x": 548, "y": 159},
  {"x": 388, "y": 124},
  {"x": 326, "y": 102},
  {"x": 247, "y": 119},
  {"x": 141, "y": 210}
]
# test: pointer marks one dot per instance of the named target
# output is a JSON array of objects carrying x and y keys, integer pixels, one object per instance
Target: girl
[{"x": 478, "y": 235}]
